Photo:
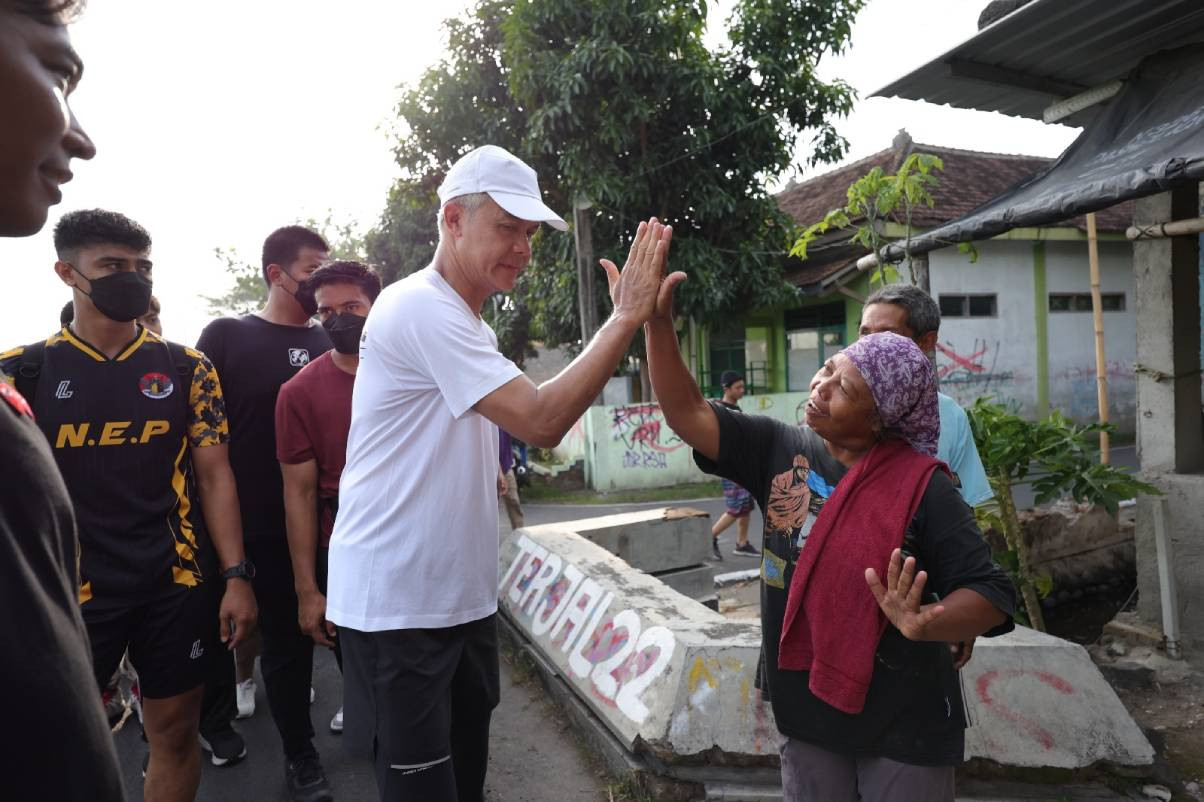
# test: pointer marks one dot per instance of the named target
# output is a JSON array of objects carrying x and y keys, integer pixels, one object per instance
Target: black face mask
[
  {"x": 121, "y": 296},
  {"x": 345, "y": 330}
]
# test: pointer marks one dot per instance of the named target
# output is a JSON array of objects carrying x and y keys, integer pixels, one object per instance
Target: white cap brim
[{"x": 524, "y": 207}]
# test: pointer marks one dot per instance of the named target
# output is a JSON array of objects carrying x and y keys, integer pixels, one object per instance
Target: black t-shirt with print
[
  {"x": 913, "y": 711},
  {"x": 59, "y": 745},
  {"x": 253, "y": 358},
  {"x": 122, "y": 432}
]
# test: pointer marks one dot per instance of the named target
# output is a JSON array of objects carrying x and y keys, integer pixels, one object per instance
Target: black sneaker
[
  {"x": 716, "y": 554},
  {"x": 225, "y": 747},
  {"x": 746, "y": 550},
  {"x": 306, "y": 780}
]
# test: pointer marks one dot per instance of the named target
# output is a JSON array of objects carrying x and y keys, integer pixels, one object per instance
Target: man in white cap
[{"x": 414, "y": 553}]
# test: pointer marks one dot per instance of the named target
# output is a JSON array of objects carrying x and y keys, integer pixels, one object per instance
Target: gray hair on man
[{"x": 923, "y": 314}]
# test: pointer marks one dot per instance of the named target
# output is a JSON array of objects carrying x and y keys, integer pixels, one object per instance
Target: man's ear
[
  {"x": 453, "y": 217},
  {"x": 927, "y": 342},
  {"x": 274, "y": 271},
  {"x": 66, "y": 275}
]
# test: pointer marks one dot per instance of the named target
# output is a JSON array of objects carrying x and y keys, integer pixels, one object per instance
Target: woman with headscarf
[{"x": 873, "y": 564}]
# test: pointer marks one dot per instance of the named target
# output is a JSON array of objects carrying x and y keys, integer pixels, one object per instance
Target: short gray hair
[
  {"x": 923, "y": 314},
  {"x": 469, "y": 203}
]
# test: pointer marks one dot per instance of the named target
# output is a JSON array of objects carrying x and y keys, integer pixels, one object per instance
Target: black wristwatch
[{"x": 244, "y": 570}]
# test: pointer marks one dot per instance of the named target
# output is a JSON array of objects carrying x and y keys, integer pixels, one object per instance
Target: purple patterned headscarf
[{"x": 903, "y": 383}]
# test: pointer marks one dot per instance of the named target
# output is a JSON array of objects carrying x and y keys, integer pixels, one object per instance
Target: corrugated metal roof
[{"x": 1049, "y": 50}]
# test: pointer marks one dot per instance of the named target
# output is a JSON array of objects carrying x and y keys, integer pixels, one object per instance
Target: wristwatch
[{"x": 244, "y": 570}]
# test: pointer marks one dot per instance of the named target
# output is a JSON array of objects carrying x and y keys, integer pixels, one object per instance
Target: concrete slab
[
  {"x": 1036, "y": 700},
  {"x": 652, "y": 540},
  {"x": 695, "y": 581},
  {"x": 664, "y": 672},
  {"x": 653, "y": 665}
]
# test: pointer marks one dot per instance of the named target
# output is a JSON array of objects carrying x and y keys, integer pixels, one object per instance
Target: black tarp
[{"x": 1149, "y": 138}]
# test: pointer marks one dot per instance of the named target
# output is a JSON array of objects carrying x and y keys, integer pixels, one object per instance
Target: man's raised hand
[{"x": 635, "y": 290}]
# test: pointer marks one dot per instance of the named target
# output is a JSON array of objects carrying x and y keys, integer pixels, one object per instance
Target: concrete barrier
[
  {"x": 663, "y": 672},
  {"x": 651, "y": 664},
  {"x": 1036, "y": 700}
]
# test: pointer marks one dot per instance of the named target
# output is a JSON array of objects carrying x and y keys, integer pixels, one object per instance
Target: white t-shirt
[{"x": 415, "y": 543}]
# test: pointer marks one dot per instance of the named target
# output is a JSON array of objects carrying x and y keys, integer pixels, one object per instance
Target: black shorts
[
  {"x": 409, "y": 693},
  {"x": 170, "y": 639}
]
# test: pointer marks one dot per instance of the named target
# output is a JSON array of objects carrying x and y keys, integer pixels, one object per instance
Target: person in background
[
  {"x": 507, "y": 483},
  {"x": 254, "y": 355},
  {"x": 61, "y": 748},
  {"x": 313, "y": 414},
  {"x": 737, "y": 500},
  {"x": 151, "y": 319},
  {"x": 911, "y": 312}
]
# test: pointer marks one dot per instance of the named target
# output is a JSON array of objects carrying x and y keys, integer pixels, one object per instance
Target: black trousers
[
  {"x": 421, "y": 700},
  {"x": 287, "y": 661},
  {"x": 219, "y": 703}
]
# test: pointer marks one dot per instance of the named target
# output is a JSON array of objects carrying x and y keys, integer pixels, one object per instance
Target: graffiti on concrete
[
  {"x": 1025, "y": 724},
  {"x": 614, "y": 652},
  {"x": 646, "y": 440},
  {"x": 1113, "y": 370}
]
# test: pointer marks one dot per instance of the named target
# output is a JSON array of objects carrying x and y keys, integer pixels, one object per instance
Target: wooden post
[
  {"x": 1101, "y": 362},
  {"x": 919, "y": 271},
  {"x": 586, "y": 268}
]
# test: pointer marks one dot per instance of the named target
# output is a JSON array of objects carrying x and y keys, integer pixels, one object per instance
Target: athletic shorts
[
  {"x": 409, "y": 693},
  {"x": 170, "y": 639},
  {"x": 736, "y": 499}
]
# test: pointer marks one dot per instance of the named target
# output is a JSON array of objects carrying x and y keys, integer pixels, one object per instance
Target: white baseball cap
[{"x": 505, "y": 178}]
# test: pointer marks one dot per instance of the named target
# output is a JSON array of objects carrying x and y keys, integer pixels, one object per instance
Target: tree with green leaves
[
  {"x": 1058, "y": 459},
  {"x": 624, "y": 105}
]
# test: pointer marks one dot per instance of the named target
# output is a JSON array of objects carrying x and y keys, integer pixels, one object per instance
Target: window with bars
[
  {"x": 1081, "y": 301},
  {"x": 971, "y": 305}
]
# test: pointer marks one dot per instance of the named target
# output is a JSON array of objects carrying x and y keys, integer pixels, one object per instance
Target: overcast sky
[{"x": 217, "y": 122}]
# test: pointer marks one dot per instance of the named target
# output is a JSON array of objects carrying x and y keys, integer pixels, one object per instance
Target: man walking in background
[
  {"x": 507, "y": 482},
  {"x": 737, "y": 501},
  {"x": 313, "y": 414},
  {"x": 254, "y": 355}
]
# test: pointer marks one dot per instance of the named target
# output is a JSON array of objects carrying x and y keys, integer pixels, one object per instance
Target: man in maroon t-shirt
[{"x": 313, "y": 416}]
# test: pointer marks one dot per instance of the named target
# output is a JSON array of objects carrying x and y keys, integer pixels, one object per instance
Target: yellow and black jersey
[{"x": 121, "y": 431}]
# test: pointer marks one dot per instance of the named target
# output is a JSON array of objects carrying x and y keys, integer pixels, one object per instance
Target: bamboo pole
[{"x": 1101, "y": 362}]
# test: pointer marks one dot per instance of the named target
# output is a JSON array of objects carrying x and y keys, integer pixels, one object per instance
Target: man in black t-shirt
[
  {"x": 139, "y": 433},
  {"x": 59, "y": 746},
  {"x": 254, "y": 355}
]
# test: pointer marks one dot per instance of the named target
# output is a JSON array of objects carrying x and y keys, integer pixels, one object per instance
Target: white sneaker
[
  {"x": 336, "y": 723},
  {"x": 312, "y": 694},
  {"x": 245, "y": 697}
]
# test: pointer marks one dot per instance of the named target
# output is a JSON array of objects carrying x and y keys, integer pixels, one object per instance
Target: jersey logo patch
[
  {"x": 64, "y": 391},
  {"x": 156, "y": 385},
  {"x": 298, "y": 357},
  {"x": 15, "y": 400}
]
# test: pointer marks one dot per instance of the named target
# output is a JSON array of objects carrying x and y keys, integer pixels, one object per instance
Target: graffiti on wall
[
  {"x": 968, "y": 373},
  {"x": 614, "y": 653},
  {"x": 645, "y": 438}
]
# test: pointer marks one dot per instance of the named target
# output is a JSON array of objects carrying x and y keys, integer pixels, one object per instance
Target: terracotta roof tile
[{"x": 970, "y": 179}]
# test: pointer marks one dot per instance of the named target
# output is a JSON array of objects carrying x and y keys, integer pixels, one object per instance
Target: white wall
[
  {"x": 1072, "y": 383},
  {"x": 989, "y": 356},
  {"x": 998, "y": 356}
]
